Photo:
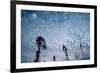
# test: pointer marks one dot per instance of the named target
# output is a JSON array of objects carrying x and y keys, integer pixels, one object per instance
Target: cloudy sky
[{"x": 55, "y": 27}]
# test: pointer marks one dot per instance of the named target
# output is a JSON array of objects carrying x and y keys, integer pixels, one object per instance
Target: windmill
[{"x": 41, "y": 45}]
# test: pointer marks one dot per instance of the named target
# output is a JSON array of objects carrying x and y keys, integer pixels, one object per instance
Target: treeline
[{"x": 41, "y": 45}]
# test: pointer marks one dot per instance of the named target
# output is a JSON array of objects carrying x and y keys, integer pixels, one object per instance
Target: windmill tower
[{"x": 41, "y": 45}]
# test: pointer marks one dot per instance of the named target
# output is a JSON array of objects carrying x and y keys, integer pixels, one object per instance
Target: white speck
[{"x": 34, "y": 16}]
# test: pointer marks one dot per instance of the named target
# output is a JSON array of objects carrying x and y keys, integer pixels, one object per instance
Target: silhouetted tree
[
  {"x": 66, "y": 52},
  {"x": 54, "y": 58},
  {"x": 80, "y": 43},
  {"x": 79, "y": 38},
  {"x": 41, "y": 45}
]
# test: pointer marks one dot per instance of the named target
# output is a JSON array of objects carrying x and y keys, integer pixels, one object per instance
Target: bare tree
[
  {"x": 66, "y": 52},
  {"x": 81, "y": 42},
  {"x": 79, "y": 39}
]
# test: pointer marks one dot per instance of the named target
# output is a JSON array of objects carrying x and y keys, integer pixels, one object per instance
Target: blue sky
[{"x": 55, "y": 27}]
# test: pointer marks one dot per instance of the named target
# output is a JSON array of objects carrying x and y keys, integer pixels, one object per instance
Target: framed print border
[{"x": 13, "y": 35}]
